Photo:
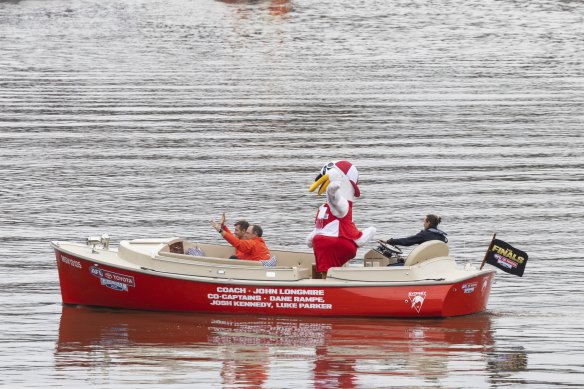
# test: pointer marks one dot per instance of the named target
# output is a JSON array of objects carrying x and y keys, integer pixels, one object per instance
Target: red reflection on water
[
  {"x": 246, "y": 345},
  {"x": 277, "y": 8}
]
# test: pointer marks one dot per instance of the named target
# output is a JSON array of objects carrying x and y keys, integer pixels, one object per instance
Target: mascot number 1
[{"x": 335, "y": 237}]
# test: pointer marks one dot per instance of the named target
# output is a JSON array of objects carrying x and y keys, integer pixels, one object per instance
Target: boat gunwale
[{"x": 301, "y": 283}]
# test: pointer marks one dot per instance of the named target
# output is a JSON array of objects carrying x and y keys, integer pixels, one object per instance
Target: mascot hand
[
  {"x": 332, "y": 190},
  {"x": 368, "y": 234},
  {"x": 335, "y": 176},
  {"x": 338, "y": 204}
]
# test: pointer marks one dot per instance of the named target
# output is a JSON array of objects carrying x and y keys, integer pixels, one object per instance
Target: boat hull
[{"x": 86, "y": 282}]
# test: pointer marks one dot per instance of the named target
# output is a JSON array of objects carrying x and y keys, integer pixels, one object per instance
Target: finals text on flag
[{"x": 505, "y": 257}]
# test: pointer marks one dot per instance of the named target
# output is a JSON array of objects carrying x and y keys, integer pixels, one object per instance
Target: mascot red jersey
[{"x": 335, "y": 237}]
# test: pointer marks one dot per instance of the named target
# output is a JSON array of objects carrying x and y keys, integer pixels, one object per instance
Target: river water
[{"x": 147, "y": 118}]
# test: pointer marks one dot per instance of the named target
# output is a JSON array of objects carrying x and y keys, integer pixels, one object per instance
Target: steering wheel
[{"x": 392, "y": 248}]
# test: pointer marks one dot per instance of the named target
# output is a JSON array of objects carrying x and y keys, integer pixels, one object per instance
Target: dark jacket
[{"x": 420, "y": 237}]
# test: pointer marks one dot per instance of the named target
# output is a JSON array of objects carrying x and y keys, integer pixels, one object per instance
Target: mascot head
[{"x": 343, "y": 172}]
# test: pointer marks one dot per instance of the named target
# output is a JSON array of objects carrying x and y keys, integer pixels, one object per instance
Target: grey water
[{"x": 145, "y": 118}]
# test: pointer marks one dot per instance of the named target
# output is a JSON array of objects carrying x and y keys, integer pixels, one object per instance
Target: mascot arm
[
  {"x": 368, "y": 234},
  {"x": 338, "y": 204},
  {"x": 310, "y": 237}
]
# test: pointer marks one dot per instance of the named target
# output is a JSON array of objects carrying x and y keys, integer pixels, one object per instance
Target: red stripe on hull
[{"x": 85, "y": 283}]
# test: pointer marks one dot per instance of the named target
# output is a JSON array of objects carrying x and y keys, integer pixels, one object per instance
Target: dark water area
[{"x": 148, "y": 118}]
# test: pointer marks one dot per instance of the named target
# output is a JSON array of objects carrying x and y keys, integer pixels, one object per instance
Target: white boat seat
[{"x": 427, "y": 250}]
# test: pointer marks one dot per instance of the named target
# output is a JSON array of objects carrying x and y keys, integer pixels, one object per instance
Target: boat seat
[{"x": 427, "y": 250}]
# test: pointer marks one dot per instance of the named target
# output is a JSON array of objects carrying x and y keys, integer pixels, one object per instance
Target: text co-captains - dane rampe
[{"x": 282, "y": 298}]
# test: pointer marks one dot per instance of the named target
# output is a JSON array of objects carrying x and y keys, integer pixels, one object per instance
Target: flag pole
[{"x": 487, "y": 253}]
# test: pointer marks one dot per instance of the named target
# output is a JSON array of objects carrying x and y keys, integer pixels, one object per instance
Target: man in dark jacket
[{"x": 430, "y": 232}]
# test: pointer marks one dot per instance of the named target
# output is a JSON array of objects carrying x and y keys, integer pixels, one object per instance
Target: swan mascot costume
[{"x": 335, "y": 237}]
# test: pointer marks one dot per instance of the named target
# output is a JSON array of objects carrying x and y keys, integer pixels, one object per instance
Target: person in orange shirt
[
  {"x": 240, "y": 231},
  {"x": 251, "y": 246}
]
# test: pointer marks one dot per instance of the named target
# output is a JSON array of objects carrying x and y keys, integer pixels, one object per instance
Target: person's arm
[
  {"x": 242, "y": 245},
  {"x": 221, "y": 229},
  {"x": 219, "y": 226},
  {"x": 409, "y": 241}
]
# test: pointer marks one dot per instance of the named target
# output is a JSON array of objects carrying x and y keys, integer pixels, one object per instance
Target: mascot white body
[{"x": 335, "y": 237}]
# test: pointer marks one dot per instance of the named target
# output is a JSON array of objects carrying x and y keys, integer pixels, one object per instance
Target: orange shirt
[{"x": 254, "y": 249}]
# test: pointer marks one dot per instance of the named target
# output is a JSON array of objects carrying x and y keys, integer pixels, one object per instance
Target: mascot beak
[{"x": 323, "y": 181}]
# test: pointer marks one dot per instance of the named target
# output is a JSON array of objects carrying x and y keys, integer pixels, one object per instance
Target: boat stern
[{"x": 468, "y": 296}]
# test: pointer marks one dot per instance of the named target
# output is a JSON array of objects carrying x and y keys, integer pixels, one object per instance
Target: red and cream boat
[{"x": 155, "y": 274}]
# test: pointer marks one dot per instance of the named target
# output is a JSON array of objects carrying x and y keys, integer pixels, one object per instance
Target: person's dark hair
[
  {"x": 257, "y": 230},
  {"x": 433, "y": 220},
  {"x": 243, "y": 225}
]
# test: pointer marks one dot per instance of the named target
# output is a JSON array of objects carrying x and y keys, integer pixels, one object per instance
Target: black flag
[{"x": 506, "y": 257}]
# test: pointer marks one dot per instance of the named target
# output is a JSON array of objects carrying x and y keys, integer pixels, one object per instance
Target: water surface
[{"x": 148, "y": 118}]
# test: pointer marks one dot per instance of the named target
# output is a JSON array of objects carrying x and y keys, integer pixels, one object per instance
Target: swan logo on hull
[
  {"x": 417, "y": 299},
  {"x": 112, "y": 280}
]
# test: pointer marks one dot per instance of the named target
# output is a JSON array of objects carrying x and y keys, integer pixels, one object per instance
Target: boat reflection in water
[{"x": 249, "y": 351}]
